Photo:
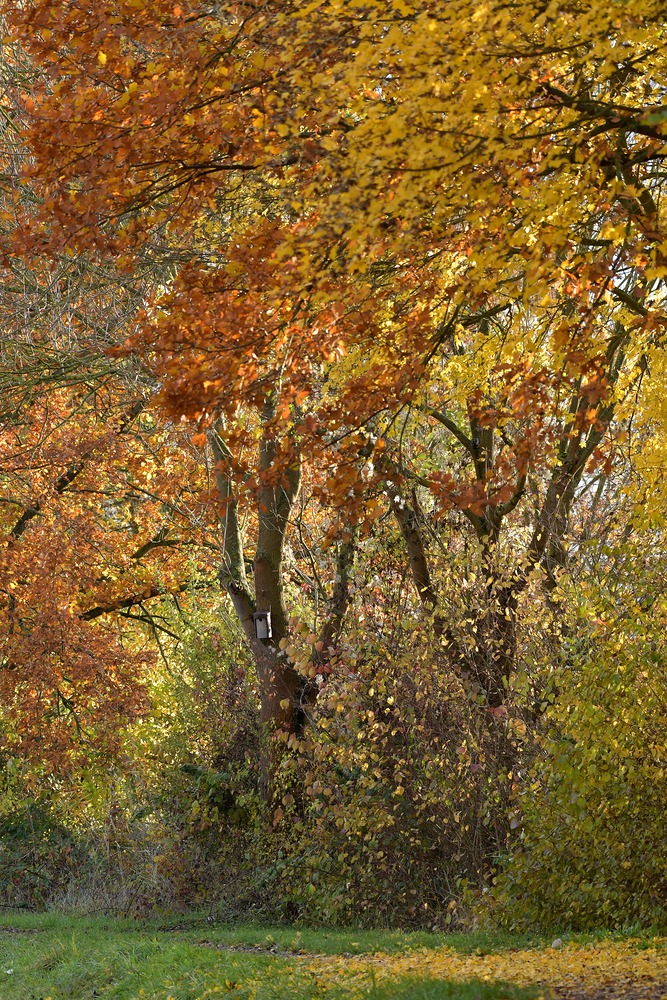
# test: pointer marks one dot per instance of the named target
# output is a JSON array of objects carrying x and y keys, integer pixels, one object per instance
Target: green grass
[
  {"x": 79, "y": 959},
  {"x": 73, "y": 958}
]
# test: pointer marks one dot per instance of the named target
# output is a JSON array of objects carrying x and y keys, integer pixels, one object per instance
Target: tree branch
[
  {"x": 451, "y": 426},
  {"x": 121, "y": 603},
  {"x": 70, "y": 474}
]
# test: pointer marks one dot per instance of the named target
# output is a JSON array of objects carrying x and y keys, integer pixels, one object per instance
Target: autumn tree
[{"x": 456, "y": 211}]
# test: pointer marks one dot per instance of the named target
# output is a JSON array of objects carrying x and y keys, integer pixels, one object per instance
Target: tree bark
[{"x": 282, "y": 689}]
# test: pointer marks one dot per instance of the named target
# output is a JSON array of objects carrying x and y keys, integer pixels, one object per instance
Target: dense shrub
[
  {"x": 405, "y": 802},
  {"x": 592, "y": 845}
]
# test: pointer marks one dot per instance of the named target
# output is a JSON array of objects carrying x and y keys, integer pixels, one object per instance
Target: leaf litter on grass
[
  {"x": 605, "y": 970},
  {"x": 276, "y": 967}
]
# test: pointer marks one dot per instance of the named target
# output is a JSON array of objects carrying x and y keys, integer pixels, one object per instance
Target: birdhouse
[{"x": 262, "y": 620}]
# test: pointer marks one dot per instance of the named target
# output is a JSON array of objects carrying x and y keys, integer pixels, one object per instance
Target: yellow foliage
[{"x": 569, "y": 967}]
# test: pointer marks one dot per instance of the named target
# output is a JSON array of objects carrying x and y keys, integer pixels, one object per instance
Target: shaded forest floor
[{"x": 55, "y": 957}]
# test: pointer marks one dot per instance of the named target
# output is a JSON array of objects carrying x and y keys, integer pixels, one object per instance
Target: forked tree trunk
[
  {"x": 285, "y": 694},
  {"x": 280, "y": 685},
  {"x": 487, "y": 655}
]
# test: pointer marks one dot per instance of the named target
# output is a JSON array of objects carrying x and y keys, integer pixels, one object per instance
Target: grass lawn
[{"x": 73, "y": 958}]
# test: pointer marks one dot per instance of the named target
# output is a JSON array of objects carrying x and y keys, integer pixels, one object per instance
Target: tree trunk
[{"x": 284, "y": 693}]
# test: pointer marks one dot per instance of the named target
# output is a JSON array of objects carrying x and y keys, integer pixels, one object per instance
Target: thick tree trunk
[
  {"x": 278, "y": 680},
  {"x": 284, "y": 693}
]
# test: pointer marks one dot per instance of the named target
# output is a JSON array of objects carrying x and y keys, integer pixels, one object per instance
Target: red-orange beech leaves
[{"x": 89, "y": 521}]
